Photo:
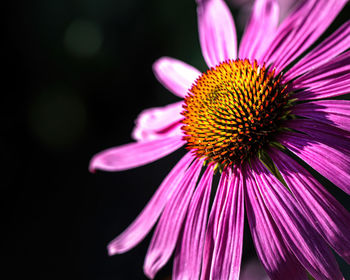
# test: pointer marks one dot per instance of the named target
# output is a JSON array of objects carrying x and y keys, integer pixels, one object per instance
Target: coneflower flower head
[
  {"x": 233, "y": 111},
  {"x": 248, "y": 118}
]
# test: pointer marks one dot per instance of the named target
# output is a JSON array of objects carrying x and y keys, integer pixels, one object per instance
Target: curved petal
[
  {"x": 301, "y": 29},
  {"x": 217, "y": 32},
  {"x": 160, "y": 122},
  {"x": 306, "y": 244},
  {"x": 333, "y": 112},
  {"x": 277, "y": 259},
  {"x": 329, "y": 135},
  {"x": 175, "y": 75},
  {"x": 149, "y": 215},
  {"x": 188, "y": 257},
  {"x": 326, "y": 214},
  {"x": 134, "y": 154},
  {"x": 329, "y": 162},
  {"x": 326, "y": 74},
  {"x": 227, "y": 253},
  {"x": 260, "y": 29},
  {"x": 329, "y": 80},
  {"x": 166, "y": 233},
  {"x": 336, "y": 87},
  {"x": 335, "y": 44}
]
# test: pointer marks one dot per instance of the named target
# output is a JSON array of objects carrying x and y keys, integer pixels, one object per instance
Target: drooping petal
[
  {"x": 329, "y": 162},
  {"x": 335, "y": 44},
  {"x": 260, "y": 29},
  {"x": 227, "y": 253},
  {"x": 212, "y": 230},
  {"x": 134, "y": 154},
  {"x": 329, "y": 135},
  {"x": 166, "y": 233},
  {"x": 277, "y": 259},
  {"x": 306, "y": 244},
  {"x": 175, "y": 75},
  {"x": 333, "y": 112},
  {"x": 158, "y": 122},
  {"x": 326, "y": 214},
  {"x": 301, "y": 29},
  {"x": 217, "y": 32},
  {"x": 149, "y": 215},
  {"x": 188, "y": 257}
]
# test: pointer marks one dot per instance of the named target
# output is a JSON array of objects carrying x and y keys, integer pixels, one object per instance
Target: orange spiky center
[{"x": 232, "y": 111}]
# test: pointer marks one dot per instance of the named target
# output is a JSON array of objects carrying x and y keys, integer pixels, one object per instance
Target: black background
[{"x": 66, "y": 99}]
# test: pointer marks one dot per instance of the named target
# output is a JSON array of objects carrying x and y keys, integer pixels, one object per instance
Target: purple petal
[
  {"x": 212, "y": 231},
  {"x": 217, "y": 32},
  {"x": 326, "y": 214},
  {"x": 326, "y": 74},
  {"x": 333, "y": 88},
  {"x": 166, "y": 233},
  {"x": 301, "y": 29},
  {"x": 329, "y": 80},
  {"x": 329, "y": 162},
  {"x": 260, "y": 29},
  {"x": 306, "y": 244},
  {"x": 227, "y": 254},
  {"x": 134, "y": 154},
  {"x": 188, "y": 257},
  {"x": 335, "y": 44},
  {"x": 276, "y": 257},
  {"x": 333, "y": 112},
  {"x": 175, "y": 75},
  {"x": 149, "y": 215},
  {"x": 329, "y": 135},
  {"x": 158, "y": 122}
]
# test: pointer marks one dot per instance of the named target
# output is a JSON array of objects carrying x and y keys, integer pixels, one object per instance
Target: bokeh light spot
[{"x": 83, "y": 38}]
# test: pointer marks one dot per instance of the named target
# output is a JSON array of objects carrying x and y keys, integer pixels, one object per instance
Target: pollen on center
[{"x": 232, "y": 111}]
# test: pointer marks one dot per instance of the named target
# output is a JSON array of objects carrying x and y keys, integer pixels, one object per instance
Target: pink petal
[
  {"x": 217, "y": 32},
  {"x": 329, "y": 162},
  {"x": 227, "y": 254},
  {"x": 335, "y": 69},
  {"x": 260, "y": 29},
  {"x": 188, "y": 257},
  {"x": 326, "y": 214},
  {"x": 335, "y": 44},
  {"x": 134, "y": 154},
  {"x": 276, "y": 257},
  {"x": 329, "y": 80},
  {"x": 212, "y": 231},
  {"x": 301, "y": 29},
  {"x": 167, "y": 231},
  {"x": 336, "y": 87},
  {"x": 175, "y": 75},
  {"x": 158, "y": 122},
  {"x": 333, "y": 112},
  {"x": 309, "y": 248},
  {"x": 149, "y": 215},
  {"x": 326, "y": 134}
]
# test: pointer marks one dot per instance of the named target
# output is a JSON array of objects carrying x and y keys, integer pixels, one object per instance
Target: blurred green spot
[{"x": 83, "y": 38}]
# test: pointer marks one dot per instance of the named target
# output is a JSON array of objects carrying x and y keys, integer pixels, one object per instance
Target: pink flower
[{"x": 248, "y": 118}]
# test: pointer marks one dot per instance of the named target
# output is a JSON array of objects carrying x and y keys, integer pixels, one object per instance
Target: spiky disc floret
[{"x": 232, "y": 111}]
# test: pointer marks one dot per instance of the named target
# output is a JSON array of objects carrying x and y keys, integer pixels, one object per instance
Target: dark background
[{"x": 77, "y": 74}]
